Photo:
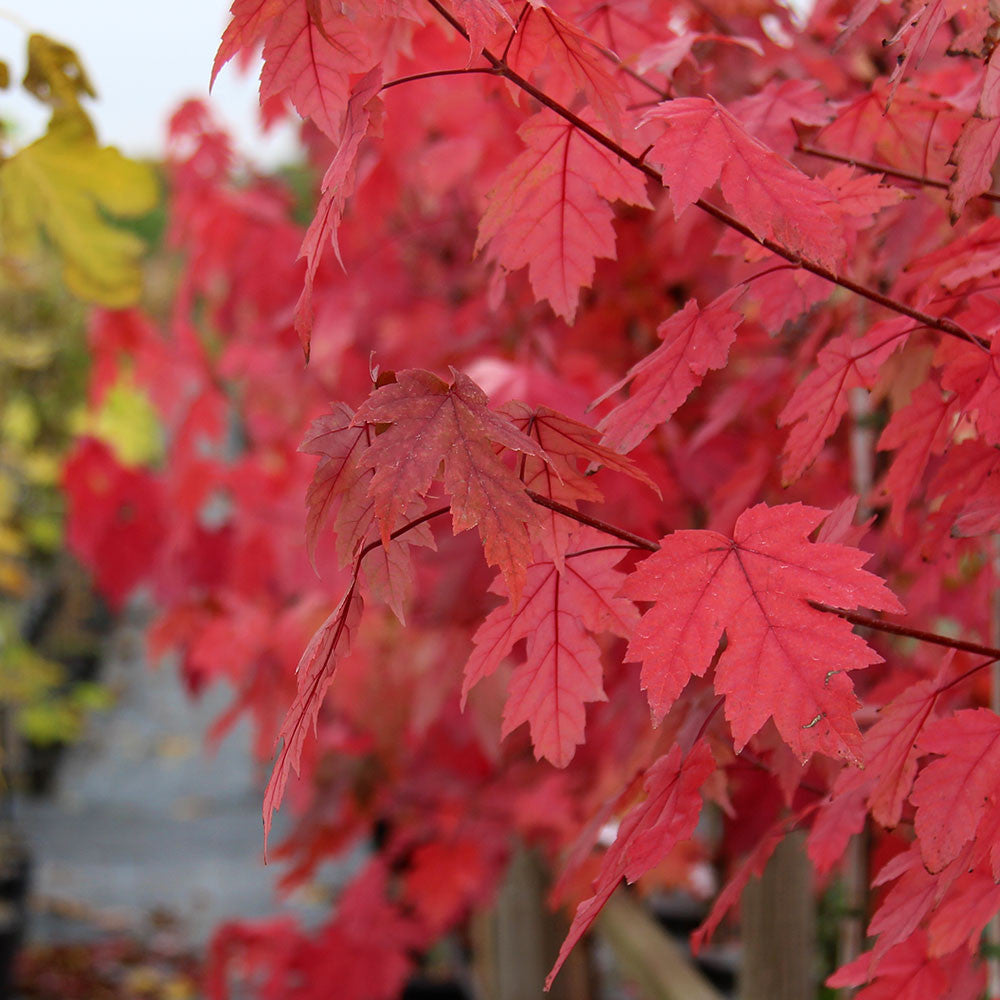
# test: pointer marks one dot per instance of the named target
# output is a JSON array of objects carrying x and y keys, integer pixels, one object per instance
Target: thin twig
[
  {"x": 431, "y": 74},
  {"x": 609, "y": 529},
  {"x": 940, "y": 323},
  {"x": 894, "y": 628},
  {"x": 883, "y": 168}
]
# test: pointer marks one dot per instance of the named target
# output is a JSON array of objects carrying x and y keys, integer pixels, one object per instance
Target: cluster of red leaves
[{"x": 679, "y": 200}]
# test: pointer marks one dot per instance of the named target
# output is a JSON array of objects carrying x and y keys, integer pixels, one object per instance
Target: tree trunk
[
  {"x": 516, "y": 943},
  {"x": 648, "y": 956},
  {"x": 779, "y": 927}
]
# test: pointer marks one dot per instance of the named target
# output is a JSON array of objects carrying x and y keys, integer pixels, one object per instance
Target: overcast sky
[{"x": 143, "y": 58}]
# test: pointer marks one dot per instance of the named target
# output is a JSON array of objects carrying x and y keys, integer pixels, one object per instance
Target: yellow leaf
[
  {"x": 55, "y": 74},
  {"x": 127, "y": 423},
  {"x": 19, "y": 422},
  {"x": 31, "y": 353},
  {"x": 62, "y": 185}
]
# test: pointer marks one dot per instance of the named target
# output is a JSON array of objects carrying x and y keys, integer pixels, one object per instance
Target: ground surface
[{"x": 144, "y": 829}]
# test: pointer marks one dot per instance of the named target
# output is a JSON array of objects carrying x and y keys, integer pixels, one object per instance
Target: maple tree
[{"x": 763, "y": 248}]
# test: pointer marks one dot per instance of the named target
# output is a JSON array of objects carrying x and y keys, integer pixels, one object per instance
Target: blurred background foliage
[{"x": 76, "y": 220}]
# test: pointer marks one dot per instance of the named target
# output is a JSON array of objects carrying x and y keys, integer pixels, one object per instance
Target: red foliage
[{"x": 637, "y": 159}]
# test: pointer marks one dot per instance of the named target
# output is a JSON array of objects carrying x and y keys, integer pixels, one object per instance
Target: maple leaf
[
  {"x": 314, "y": 676},
  {"x": 116, "y": 519},
  {"x": 890, "y": 755},
  {"x": 575, "y": 62},
  {"x": 695, "y": 341},
  {"x": 338, "y": 492},
  {"x": 434, "y": 423},
  {"x": 560, "y": 611},
  {"x": 861, "y": 197},
  {"x": 952, "y": 794},
  {"x": 915, "y": 895},
  {"x": 481, "y": 19},
  {"x": 769, "y": 113},
  {"x": 340, "y": 484},
  {"x": 550, "y": 209},
  {"x": 566, "y": 443},
  {"x": 821, "y": 400},
  {"x": 919, "y": 430},
  {"x": 975, "y": 153},
  {"x": 973, "y": 374},
  {"x": 703, "y": 143},
  {"x": 907, "y": 972},
  {"x": 911, "y": 129},
  {"x": 972, "y": 902},
  {"x": 247, "y": 24},
  {"x": 916, "y": 31},
  {"x": 310, "y": 52},
  {"x": 647, "y": 834},
  {"x": 364, "y": 114},
  {"x": 65, "y": 186},
  {"x": 783, "y": 659},
  {"x": 891, "y": 748}
]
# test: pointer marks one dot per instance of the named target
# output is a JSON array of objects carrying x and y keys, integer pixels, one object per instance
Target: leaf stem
[
  {"x": 432, "y": 74},
  {"x": 882, "y": 168},
  {"x": 940, "y": 323},
  {"x": 966, "y": 675},
  {"x": 894, "y": 628},
  {"x": 854, "y": 617},
  {"x": 609, "y": 529},
  {"x": 601, "y": 548},
  {"x": 409, "y": 526}
]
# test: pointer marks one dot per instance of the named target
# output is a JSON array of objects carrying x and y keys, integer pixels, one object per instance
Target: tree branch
[
  {"x": 882, "y": 168},
  {"x": 854, "y": 617},
  {"x": 940, "y": 323},
  {"x": 894, "y": 628},
  {"x": 434, "y": 73},
  {"x": 609, "y": 529}
]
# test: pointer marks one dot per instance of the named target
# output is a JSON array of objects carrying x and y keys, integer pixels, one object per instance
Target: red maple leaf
[
  {"x": 783, "y": 657},
  {"x": 667, "y": 816},
  {"x": 339, "y": 486},
  {"x": 891, "y": 748},
  {"x": 917, "y": 30},
  {"x": 311, "y": 50},
  {"x": 567, "y": 60},
  {"x": 769, "y": 114},
  {"x": 919, "y": 430},
  {"x": 819, "y": 403},
  {"x": 248, "y": 22},
  {"x": 435, "y": 424},
  {"x": 973, "y": 374},
  {"x": 567, "y": 443},
  {"x": 978, "y": 145},
  {"x": 695, "y": 341},
  {"x": 116, "y": 518},
  {"x": 314, "y": 675},
  {"x": 363, "y": 115},
  {"x": 906, "y": 972},
  {"x": 550, "y": 209},
  {"x": 703, "y": 143},
  {"x": 561, "y": 610},
  {"x": 953, "y": 793},
  {"x": 481, "y": 18},
  {"x": 338, "y": 494}
]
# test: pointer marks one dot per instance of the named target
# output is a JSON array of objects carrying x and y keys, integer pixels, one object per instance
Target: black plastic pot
[{"x": 15, "y": 871}]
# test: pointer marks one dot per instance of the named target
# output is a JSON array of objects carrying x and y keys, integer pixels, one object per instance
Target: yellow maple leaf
[{"x": 61, "y": 186}]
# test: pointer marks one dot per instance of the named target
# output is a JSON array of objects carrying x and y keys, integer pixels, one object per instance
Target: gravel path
[{"x": 146, "y": 828}]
